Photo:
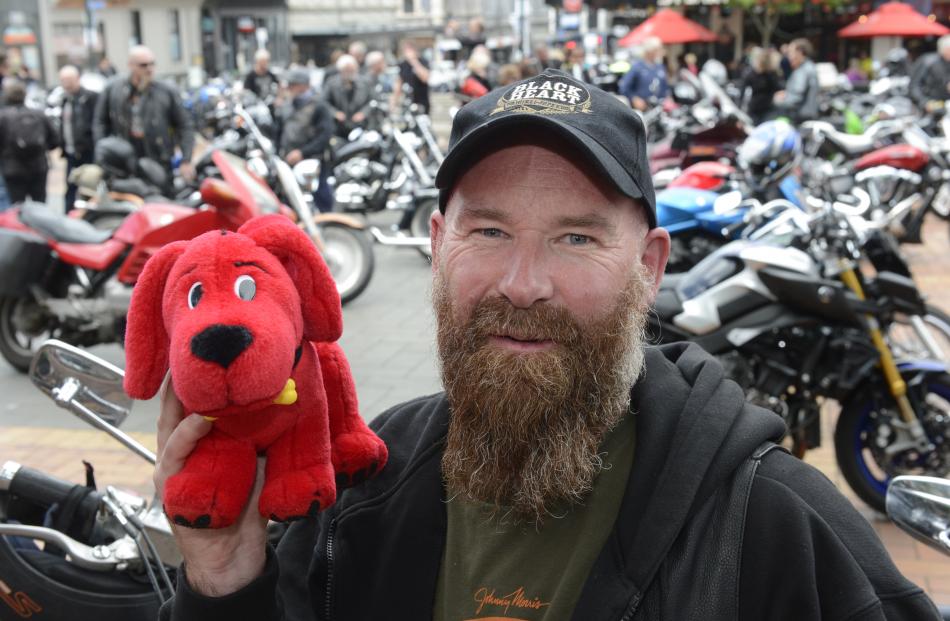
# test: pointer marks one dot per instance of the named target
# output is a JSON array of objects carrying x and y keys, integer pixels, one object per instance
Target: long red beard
[{"x": 525, "y": 428}]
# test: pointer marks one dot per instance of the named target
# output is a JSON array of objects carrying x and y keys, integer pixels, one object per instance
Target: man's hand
[
  {"x": 217, "y": 561},
  {"x": 339, "y": 116},
  {"x": 293, "y": 157},
  {"x": 640, "y": 104},
  {"x": 359, "y": 117},
  {"x": 933, "y": 105},
  {"x": 187, "y": 171},
  {"x": 779, "y": 97}
]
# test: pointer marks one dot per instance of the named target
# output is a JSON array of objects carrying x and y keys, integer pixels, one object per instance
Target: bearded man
[{"x": 568, "y": 471}]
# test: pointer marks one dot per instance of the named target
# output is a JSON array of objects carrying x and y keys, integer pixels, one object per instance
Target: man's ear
[
  {"x": 437, "y": 234},
  {"x": 656, "y": 251}
]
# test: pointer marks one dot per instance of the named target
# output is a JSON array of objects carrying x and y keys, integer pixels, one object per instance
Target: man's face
[
  {"x": 142, "y": 68},
  {"x": 543, "y": 274},
  {"x": 69, "y": 82},
  {"x": 349, "y": 73},
  {"x": 795, "y": 56}
]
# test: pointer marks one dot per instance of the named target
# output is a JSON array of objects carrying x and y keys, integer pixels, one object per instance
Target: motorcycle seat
[
  {"x": 667, "y": 304},
  {"x": 40, "y": 218},
  {"x": 852, "y": 144}
]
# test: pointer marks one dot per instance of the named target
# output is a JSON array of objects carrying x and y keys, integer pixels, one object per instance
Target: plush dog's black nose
[{"x": 220, "y": 343}]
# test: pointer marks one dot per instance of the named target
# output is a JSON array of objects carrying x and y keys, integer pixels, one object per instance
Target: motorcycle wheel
[
  {"x": 419, "y": 226},
  {"x": 349, "y": 255},
  {"x": 906, "y": 343},
  {"x": 16, "y": 346},
  {"x": 864, "y": 425}
]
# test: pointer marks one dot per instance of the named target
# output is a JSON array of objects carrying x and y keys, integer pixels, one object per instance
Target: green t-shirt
[{"x": 500, "y": 572}]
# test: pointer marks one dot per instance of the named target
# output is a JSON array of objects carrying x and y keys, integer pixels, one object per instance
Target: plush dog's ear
[
  {"x": 319, "y": 299},
  {"x": 146, "y": 342}
]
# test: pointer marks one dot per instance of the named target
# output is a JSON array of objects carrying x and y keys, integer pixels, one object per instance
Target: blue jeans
[
  {"x": 323, "y": 197},
  {"x": 4, "y": 197}
]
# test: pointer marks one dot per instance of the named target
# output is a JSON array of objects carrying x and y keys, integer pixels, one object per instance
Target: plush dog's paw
[
  {"x": 200, "y": 501},
  {"x": 299, "y": 494},
  {"x": 357, "y": 456}
]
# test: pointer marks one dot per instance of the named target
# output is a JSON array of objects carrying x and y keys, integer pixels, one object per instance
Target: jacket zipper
[
  {"x": 631, "y": 608},
  {"x": 330, "y": 532}
]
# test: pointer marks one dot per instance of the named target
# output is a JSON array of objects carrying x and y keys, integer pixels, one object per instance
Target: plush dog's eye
[
  {"x": 245, "y": 288},
  {"x": 194, "y": 295}
]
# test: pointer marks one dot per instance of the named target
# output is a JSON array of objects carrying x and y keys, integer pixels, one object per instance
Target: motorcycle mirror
[
  {"x": 65, "y": 373},
  {"x": 921, "y": 507},
  {"x": 727, "y": 202}
]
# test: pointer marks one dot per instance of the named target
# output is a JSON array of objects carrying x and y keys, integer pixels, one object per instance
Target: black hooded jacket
[{"x": 679, "y": 548}]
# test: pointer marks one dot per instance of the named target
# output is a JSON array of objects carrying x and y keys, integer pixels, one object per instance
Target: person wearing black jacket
[
  {"x": 759, "y": 84},
  {"x": 260, "y": 80},
  {"x": 569, "y": 471},
  {"x": 26, "y": 135},
  {"x": 147, "y": 113},
  {"x": 305, "y": 127},
  {"x": 75, "y": 133},
  {"x": 930, "y": 77}
]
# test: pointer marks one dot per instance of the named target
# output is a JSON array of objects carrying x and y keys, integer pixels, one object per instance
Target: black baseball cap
[{"x": 601, "y": 125}]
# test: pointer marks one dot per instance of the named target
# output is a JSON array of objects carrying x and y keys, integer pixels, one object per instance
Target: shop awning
[
  {"x": 893, "y": 19},
  {"x": 670, "y": 27}
]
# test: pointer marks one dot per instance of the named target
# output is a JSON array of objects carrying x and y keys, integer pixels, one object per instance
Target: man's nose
[{"x": 527, "y": 278}]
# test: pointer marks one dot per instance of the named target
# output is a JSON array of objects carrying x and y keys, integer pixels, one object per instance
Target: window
[
  {"x": 136, "y": 37},
  {"x": 408, "y": 6},
  {"x": 174, "y": 21}
]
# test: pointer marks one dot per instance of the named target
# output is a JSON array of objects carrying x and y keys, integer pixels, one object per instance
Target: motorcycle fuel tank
[
  {"x": 903, "y": 156},
  {"x": 678, "y": 208}
]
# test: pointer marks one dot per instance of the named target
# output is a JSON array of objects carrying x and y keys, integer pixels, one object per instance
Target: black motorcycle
[{"x": 795, "y": 323}]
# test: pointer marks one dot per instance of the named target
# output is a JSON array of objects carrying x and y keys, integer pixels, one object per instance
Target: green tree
[{"x": 765, "y": 14}]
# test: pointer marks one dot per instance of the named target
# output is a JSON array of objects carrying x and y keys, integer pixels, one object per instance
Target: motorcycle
[
  {"x": 106, "y": 553},
  {"x": 794, "y": 323}
]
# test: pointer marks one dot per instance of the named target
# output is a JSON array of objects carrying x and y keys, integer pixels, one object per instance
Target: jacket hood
[{"x": 694, "y": 428}]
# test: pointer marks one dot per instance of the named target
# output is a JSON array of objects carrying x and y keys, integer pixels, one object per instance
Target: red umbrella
[
  {"x": 670, "y": 27},
  {"x": 893, "y": 19}
]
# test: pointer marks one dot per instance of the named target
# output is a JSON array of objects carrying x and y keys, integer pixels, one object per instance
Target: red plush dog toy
[{"x": 248, "y": 323}]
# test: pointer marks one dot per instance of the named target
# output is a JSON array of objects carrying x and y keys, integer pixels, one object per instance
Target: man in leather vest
[
  {"x": 568, "y": 471},
  {"x": 305, "y": 127}
]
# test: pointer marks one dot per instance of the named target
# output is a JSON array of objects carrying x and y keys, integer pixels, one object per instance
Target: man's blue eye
[
  {"x": 491, "y": 232},
  {"x": 576, "y": 239}
]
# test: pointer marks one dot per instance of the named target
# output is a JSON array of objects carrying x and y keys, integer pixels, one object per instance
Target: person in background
[
  {"x": 575, "y": 65},
  {"x": 105, "y": 68},
  {"x": 375, "y": 73},
  {"x": 4, "y": 197},
  {"x": 930, "y": 77},
  {"x": 304, "y": 128},
  {"x": 759, "y": 85},
  {"x": 690, "y": 63},
  {"x": 260, "y": 80},
  {"x": 414, "y": 72},
  {"x": 348, "y": 95},
  {"x": 75, "y": 135},
  {"x": 330, "y": 70},
  {"x": 357, "y": 49},
  {"x": 147, "y": 113},
  {"x": 784, "y": 64},
  {"x": 25, "y": 137},
  {"x": 799, "y": 100},
  {"x": 474, "y": 37},
  {"x": 4, "y": 68},
  {"x": 543, "y": 55},
  {"x": 478, "y": 65},
  {"x": 646, "y": 84},
  {"x": 509, "y": 74},
  {"x": 855, "y": 74}
]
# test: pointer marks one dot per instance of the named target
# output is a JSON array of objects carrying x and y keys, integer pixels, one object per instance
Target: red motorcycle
[{"x": 64, "y": 278}]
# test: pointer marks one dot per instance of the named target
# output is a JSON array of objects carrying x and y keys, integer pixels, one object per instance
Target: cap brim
[{"x": 604, "y": 162}]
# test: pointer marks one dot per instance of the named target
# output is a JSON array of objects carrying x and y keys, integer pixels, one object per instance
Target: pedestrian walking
[{"x": 26, "y": 135}]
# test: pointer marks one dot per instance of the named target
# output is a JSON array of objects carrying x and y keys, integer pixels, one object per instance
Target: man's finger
[
  {"x": 171, "y": 412},
  {"x": 179, "y": 446}
]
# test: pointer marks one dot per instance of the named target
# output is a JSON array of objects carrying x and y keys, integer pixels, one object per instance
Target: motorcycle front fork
[{"x": 895, "y": 383}]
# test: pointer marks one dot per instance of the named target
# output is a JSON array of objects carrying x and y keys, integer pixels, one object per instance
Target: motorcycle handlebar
[{"x": 33, "y": 485}]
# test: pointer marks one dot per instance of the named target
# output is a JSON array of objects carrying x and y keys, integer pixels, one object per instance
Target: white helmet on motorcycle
[{"x": 769, "y": 153}]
